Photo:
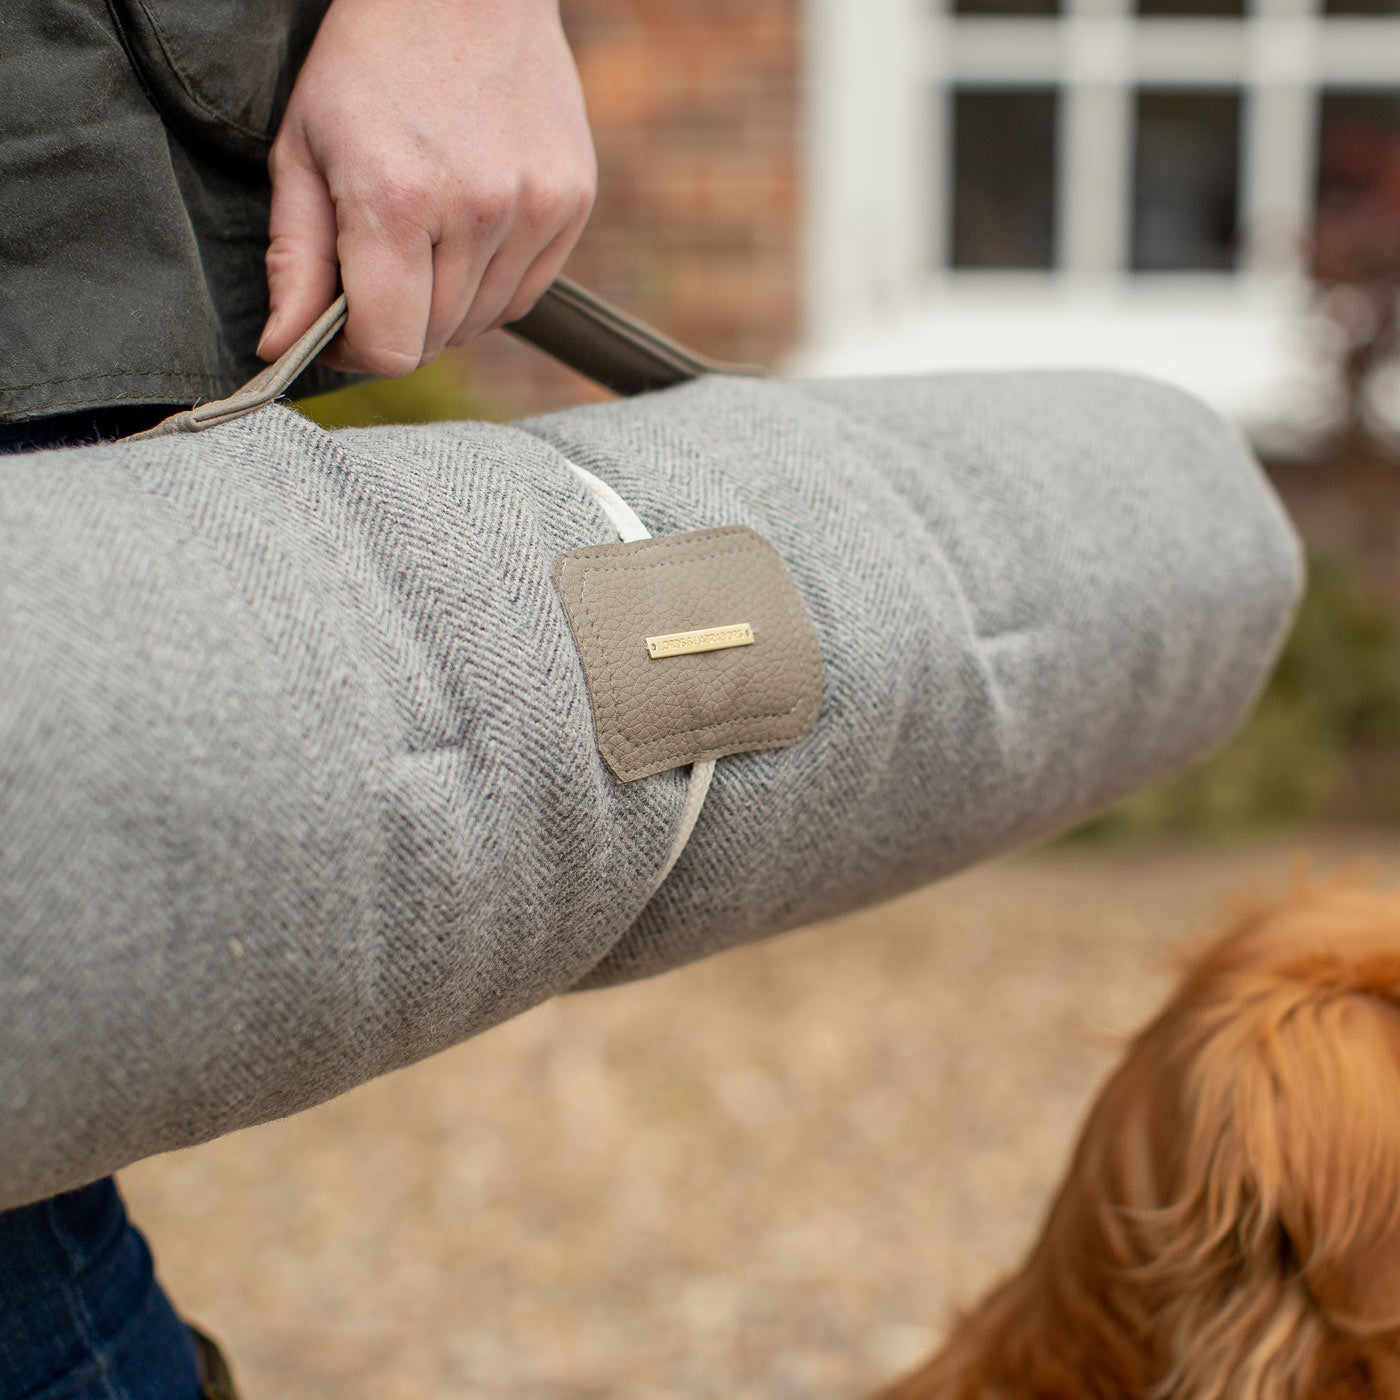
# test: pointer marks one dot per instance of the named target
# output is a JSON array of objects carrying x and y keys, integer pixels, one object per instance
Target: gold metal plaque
[
  {"x": 735, "y": 634},
  {"x": 653, "y": 715}
]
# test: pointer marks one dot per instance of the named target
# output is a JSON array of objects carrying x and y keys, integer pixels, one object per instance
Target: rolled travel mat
[{"x": 320, "y": 752}]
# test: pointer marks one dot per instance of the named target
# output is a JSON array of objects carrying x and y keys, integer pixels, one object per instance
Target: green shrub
[
  {"x": 434, "y": 394},
  {"x": 1334, "y": 697}
]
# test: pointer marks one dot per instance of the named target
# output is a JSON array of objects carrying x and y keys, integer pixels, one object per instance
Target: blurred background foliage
[{"x": 436, "y": 393}]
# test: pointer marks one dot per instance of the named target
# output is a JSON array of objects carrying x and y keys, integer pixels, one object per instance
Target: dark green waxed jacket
[{"x": 134, "y": 195}]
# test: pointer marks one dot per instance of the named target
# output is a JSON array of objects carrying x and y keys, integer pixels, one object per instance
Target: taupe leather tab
[{"x": 693, "y": 646}]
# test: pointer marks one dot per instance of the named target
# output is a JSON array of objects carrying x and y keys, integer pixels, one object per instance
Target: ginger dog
[{"x": 1230, "y": 1225}]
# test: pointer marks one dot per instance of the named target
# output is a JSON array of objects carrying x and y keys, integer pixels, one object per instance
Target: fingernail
[{"x": 269, "y": 331}]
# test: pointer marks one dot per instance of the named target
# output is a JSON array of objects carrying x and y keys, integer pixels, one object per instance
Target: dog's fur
[{"x": 1230, "y": 1225}]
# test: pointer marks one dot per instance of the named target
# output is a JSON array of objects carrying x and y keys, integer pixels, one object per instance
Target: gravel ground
[{"x": 768, "y": 1175}]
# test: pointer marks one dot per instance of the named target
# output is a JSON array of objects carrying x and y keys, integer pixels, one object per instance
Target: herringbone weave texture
[{"x": 298, "y": 780}]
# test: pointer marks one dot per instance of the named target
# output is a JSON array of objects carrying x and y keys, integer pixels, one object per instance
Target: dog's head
[
  {"x": 1230, "y": 1226},
  {"x": 1267, "y": 1243}
]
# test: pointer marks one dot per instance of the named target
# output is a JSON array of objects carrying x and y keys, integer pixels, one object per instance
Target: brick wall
[{"x": 694, "y": 106}]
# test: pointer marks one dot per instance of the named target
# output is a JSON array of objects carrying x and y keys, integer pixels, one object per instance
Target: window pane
[
  {"x": 1223, "y": 9},
  {"x": 1004, "y": 178},
  {"x": 1006, "y": 7},
  {"x": 1357, "y": 233},
  {"x": 1358, "y": 143},
  {"x": 1360, "y": 7},
  {"x": 1186, "y": 181}
]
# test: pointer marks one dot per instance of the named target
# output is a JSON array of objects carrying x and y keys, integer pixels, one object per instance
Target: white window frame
[{"x": 880, "y": 77}]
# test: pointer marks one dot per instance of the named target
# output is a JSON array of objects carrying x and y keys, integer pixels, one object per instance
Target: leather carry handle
[
  {"x": 568, "y": 322},
  {"x": 610, "y": 347}
]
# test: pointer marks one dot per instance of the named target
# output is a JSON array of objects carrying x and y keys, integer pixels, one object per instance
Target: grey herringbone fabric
[{"x": 298, "y": 781}]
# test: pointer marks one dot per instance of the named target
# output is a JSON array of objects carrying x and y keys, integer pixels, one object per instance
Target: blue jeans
[{"x": 81, "y": 1314}]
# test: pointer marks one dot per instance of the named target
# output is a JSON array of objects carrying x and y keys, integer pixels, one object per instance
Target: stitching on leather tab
[{"x": 721, "y": 544}]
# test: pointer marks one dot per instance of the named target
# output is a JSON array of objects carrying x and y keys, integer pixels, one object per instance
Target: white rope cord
[
  {"x": 700, "y": 775},
  {"x": 630, "y": 528},
  {"x": 620, "y": 515}
]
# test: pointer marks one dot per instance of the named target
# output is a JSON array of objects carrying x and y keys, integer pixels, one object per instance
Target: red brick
[{"x": 695, "y": 113}]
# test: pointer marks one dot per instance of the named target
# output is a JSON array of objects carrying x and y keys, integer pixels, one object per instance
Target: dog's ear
[
  {"x": 1284, "y": 1218},
  {"x": 1314, "y": 1145},
  {"x": 1339, "y": 1192}
]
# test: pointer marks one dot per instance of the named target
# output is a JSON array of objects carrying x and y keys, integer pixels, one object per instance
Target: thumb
[{"x": 302, "y": 267}]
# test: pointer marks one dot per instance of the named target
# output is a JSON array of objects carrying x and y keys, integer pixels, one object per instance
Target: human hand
[{"x": 435, "y": 154}]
